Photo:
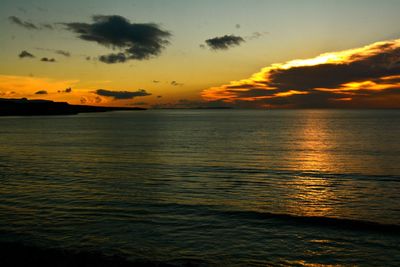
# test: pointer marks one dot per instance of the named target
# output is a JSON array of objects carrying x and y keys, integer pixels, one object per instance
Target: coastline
[{"x": 25, "y": 107}]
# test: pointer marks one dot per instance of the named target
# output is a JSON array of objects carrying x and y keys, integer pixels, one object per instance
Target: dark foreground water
[{"x": 221, "y": 187}]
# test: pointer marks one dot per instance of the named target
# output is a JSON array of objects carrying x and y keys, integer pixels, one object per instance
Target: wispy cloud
[
  {"x": 24, "y": 24},
  {"x": 29, "y": 25},
  {"x": 347, "y": 78},
  {"x": 256, "y": 35},
  {"x": 56, "y": 51}
]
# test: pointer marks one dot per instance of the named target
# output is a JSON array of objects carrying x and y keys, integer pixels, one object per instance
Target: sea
[{"x": 224, "y": 187}]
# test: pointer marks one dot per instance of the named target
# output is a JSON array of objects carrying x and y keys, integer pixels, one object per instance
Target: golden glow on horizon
[
  {"x": 12, "y": 86},
  {"x": 290, "y": 93},
  {"x": 260, "y": 86},
  {"x": 347, "y": 88},
  {"x": 29, "y": 85},
  {"x": 368, "y": 85},
  {"x": 344, "y": 99}
]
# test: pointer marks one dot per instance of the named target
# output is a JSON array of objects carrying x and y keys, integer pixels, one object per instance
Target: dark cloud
[
  {"x": 25, "y": 54},
  {"x": 45, "y": 59},
  {"x": 137, "y": 41},
  {"x": 334, "y": 75},
  {"x": 155, "y": 81},
  {"x": 224, "y": 42},
  {"x": 68, "y": 90},
  {"x": 159, "y": 96},
  {"x": 252, "y": 92},
  {"x": 25, "y": 24},
  {"x": 122, "y": 94},
  {"x": 41, "y": 92},
  {"x": 237, "y": 26},
  {"x": 113, "y": 58},
  {"x": 314, "y": 99},
  {"x": 352, "y": 78},
  {"x": 175, "y": 83},
  {"x": 318, "y": 99},
  {"x": 240, "y": 86}
]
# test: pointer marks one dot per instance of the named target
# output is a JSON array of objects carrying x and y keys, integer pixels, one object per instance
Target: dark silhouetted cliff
[{"x": 25, "y": 107}]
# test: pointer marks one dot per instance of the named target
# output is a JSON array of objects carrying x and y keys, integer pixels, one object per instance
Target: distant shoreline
[{"x": 25, "y": 107}]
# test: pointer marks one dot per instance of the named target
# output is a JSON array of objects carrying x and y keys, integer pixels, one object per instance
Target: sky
[{"x": 186, "y": 53}]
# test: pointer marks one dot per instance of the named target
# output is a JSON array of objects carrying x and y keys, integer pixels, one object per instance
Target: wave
[
  {"x": 320, "y": 221},
  {"x": 298, "y": 173},
  {"x": 284, "y": 218}
]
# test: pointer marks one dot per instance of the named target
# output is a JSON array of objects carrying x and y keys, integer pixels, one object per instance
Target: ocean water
[{"x": 218, "y": 187}]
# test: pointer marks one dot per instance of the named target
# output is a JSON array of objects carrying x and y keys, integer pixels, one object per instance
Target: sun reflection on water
[{"x": 311, "y": 195}]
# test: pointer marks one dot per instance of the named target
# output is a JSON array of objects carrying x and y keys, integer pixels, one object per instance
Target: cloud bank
[
  {"x": 119, "y": 95},
  {"x": 363, "y": 77},
  {"x": 135, "y": 41}
]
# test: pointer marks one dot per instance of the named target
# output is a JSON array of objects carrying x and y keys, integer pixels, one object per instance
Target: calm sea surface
[{"x": 222, "y": 187}]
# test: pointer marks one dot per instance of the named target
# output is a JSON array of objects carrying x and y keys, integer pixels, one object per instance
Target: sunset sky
[{"x": 183, "y": 53}]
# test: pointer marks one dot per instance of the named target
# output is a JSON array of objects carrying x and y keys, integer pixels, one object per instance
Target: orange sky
[
  {"x": 199, "y": 54},
  {"x": 352, "y": 76}
]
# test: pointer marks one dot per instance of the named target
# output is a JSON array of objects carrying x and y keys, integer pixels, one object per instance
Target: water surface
[{"x": 225, "y": 187}]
